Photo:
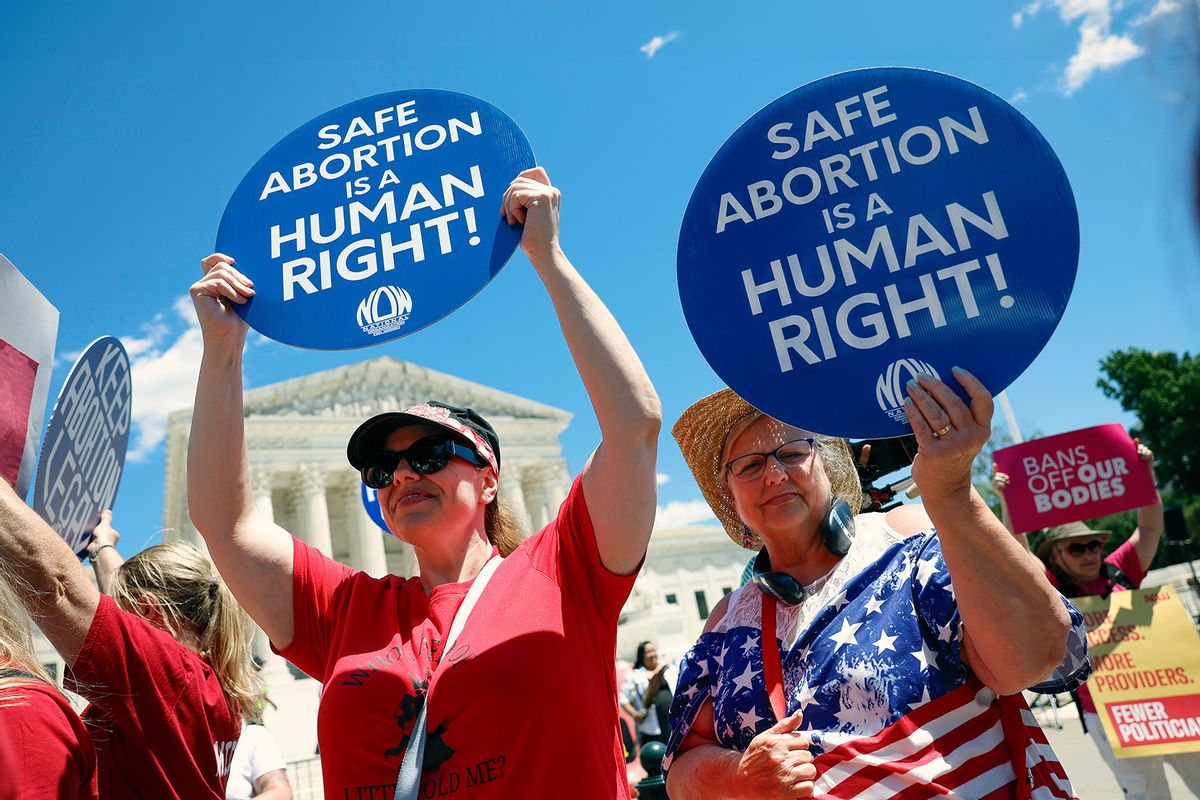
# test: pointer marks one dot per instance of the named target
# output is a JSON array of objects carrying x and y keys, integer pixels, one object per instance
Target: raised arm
[
  {"x": 1150, "y": 520},
  {"x": 102, "y": 552},
  {"x": 1003, "y": 595},
  {"x": 253, "y": 554},
  {"x": 47, "y": 576},
  {"x": 619, "y": 479},
  {"x": 1000, "y": 481}
]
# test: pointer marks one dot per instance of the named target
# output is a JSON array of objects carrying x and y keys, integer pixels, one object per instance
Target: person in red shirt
[
  {"x": 541, "y": 641},
  {"x": 165, "y": 662},
  {"x": 45, "y": 753}
]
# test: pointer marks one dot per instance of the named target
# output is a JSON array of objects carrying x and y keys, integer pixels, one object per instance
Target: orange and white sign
[{"x": 1146, "y": 671}]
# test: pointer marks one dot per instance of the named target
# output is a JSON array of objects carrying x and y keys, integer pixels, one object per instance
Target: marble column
[
  {"x": 365, "y": 537},
  {"x": 314, "y": 509},
  {"x": 189, "y": 533},
  {"x": 512, "y": 494},
  {"x": 545, "y": 489},
  {"x": 273, "y": 666},
  {"x": 260, "y": 480},
  {"x": 535, "y": 500},
  {"x": 557, "y": 485}
]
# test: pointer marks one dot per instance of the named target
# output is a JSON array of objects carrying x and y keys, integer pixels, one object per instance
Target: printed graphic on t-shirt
[
  {"x": 224, "y": 753},
  {"x": 376, "y": 644}
]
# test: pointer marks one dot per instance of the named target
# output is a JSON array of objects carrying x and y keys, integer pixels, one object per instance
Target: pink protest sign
[{"x": 1073, "y": 476}]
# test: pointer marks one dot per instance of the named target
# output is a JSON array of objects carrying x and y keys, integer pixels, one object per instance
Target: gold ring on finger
[{"x": 942, "y": 431}]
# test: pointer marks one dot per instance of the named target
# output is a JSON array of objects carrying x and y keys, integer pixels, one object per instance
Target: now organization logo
[
  {"x": 890, "y": 386},
  {"x": 384, "y": 310}
]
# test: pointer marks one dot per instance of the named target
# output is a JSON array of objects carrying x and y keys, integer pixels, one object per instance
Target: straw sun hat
[
  {"x": 701, "y": 433},
  {"x": 1071, "y": 530}
]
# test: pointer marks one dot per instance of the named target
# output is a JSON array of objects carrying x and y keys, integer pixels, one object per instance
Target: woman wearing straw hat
[
  {"x": 869, "y": 649},
  {"x": 544, "y": 626}
]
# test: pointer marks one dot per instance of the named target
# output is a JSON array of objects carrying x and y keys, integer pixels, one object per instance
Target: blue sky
[{"x": 127, "y": 126}]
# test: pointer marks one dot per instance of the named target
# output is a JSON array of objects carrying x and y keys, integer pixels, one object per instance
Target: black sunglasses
[
  {"x": 1079, "y": 548},
  {"x": 425, "y": 456}
]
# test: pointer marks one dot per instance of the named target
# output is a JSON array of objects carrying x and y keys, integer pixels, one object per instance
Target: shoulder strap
[
  {"x": 468, "y": 603},
  {"x": 408, "y": 781},
  {"x": 772, "y": 664}
]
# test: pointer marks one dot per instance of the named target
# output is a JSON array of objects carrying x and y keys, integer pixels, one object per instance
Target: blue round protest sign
[
  {"x": 865, "y": 228},
  {"x": 375, "y": 219},
  {"x": 83, "y": 451},
  {"x": 370, "y": 501}
]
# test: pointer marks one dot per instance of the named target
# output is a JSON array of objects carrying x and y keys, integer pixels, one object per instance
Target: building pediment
[{"x": 386, "y": 384}]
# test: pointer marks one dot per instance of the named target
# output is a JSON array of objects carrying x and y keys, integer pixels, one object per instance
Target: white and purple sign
[
  {"x": 83, "y": 452},
  {"x": 870, "y": 226},
  {"x": 375, "y": 219}
]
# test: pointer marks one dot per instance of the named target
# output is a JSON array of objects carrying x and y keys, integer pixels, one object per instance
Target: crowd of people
[{"x": 867, "y": 648}]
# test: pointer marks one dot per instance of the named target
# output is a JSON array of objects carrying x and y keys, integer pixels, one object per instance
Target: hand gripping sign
[
  {"x": 28, "y": 330},
  {"x": 375, "y": 219},
  {"x": 1073, "y": 476},
  {"x": 83, "y": 452},
  {"x": 865, "y": 228}
]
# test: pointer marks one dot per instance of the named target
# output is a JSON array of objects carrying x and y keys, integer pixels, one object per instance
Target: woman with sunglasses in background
[
  {"x": 871, "y": 652},
  {"x": 543, "y": 629},
  {"x": 1073, "y": 555}
]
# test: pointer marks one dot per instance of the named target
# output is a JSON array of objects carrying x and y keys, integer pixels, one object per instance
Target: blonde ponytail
[{"x": 198, "y": 610}]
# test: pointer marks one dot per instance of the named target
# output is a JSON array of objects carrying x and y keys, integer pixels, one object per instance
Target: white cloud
[
  {"x": 1027, "y": 10},
  {"x": 66, "y": 360},
  {"x": 682, "y": 513},
  {"x": 661, "y": 477},
  {"x": 1161, "y": 9},
  {"x": 1019, "y": 96},
  {"x": 1098, "y": 51},
  {"x": 654, "y": 45},
  {"x": 165, "y": 362},
  {"x": 1099, "y": 47}
]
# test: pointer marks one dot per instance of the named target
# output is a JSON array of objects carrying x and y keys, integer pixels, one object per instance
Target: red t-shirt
[
  {"x": 158, "y": 717},
  {"x": 44, "y": 746},
  {"x": 1126, "y": 559},
  {"x": 528, "y": 706}
]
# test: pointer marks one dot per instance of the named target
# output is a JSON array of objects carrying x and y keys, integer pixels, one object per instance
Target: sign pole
[{"x": 1010, "y": 418}]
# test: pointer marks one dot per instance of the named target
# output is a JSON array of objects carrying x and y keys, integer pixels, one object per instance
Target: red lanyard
[{"x": 772, "y": 667}]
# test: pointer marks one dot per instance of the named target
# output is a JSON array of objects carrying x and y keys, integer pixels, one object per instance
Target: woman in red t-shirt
[
  {"x": 165, "y": 665},
  {"x": 544, "y": 629},
  {"x": 45, "y": 753}
]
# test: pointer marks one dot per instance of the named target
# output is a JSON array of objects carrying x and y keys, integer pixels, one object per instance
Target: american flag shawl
[{"x": 873, "y": 658}]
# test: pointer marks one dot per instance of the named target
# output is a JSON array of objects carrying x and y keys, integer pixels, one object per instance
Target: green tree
[{"x": 1163, "y": 390}]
